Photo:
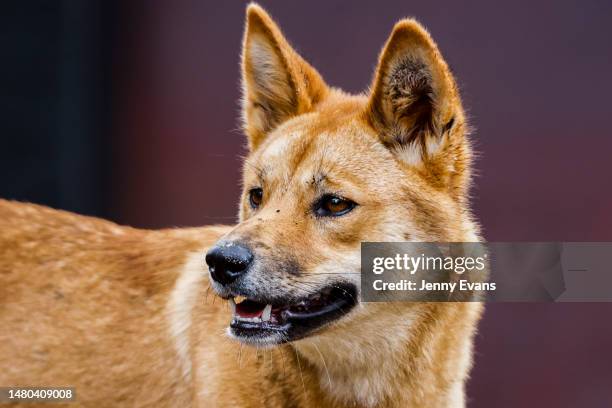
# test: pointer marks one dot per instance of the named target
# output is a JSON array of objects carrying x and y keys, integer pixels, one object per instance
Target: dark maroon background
[{"x": 536, "y": 80}]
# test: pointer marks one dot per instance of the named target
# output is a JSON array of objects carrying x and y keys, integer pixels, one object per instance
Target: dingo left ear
[
  {"x": 277, "y": 83},
  {"x": 415, "y": 107}
]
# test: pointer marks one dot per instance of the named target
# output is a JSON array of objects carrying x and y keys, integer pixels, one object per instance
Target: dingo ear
[
  {"x": 277, "y": 83},
  {"x": 415, "y": 106}
]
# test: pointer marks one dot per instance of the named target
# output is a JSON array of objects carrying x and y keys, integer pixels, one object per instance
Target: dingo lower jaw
[{"x": 283, "y": 321}]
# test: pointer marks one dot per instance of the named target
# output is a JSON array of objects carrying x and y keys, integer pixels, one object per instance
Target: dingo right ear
[
  {"x": 277, "y": 83},
  {"x": 416, "y": 110},
  {"x": 413, "y": 93}
]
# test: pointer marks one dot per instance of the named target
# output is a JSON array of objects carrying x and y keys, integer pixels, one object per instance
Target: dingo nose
[{"x": 228, "y": 261}]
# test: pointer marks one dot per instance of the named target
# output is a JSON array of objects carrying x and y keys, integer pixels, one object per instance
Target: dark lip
[{"x": 297, "y": 325}]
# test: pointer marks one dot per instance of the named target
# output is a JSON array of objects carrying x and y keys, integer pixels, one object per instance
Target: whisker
[
  {"x": 324, "y": 365},
  {"x": 297, "y": 355},
  {"x": 240, "y": 355}
]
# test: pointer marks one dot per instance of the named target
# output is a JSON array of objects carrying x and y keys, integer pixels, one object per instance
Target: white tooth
[
  {"x": 267, "y": 312},
  {"x": 249, "y": 319},
  {"x": 232, "y": 306}
]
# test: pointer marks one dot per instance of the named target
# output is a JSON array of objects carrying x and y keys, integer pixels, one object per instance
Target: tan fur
[{"x": 128, "y": 317}]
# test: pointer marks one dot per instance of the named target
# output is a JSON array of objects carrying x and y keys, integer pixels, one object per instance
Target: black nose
[{"x": 228, "y": 261}]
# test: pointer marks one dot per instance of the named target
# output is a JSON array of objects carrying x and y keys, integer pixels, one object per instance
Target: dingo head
[{"x": 328, "y": 170}]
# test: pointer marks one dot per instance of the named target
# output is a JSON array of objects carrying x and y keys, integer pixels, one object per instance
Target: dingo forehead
[
  {"x": 331, "y": 141},
  {"x": 315, "y": 150}
]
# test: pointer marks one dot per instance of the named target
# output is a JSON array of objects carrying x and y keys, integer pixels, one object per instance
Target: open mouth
[{"x": 280, "y": 322}]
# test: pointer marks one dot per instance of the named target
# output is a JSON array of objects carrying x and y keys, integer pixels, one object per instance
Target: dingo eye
[
  {"x": 255, "y": 197},
  {"x": 333, "y": 206}
]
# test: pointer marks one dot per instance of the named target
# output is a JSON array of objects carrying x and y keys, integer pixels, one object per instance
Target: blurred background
[{"x": 128, "y": 110}]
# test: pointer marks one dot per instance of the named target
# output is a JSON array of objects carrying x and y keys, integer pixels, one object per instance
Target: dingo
[{"x": 136, "y": 318}]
